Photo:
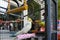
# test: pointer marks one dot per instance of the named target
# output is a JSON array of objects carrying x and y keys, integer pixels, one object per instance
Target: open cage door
[{"x": 51, "y": 19}]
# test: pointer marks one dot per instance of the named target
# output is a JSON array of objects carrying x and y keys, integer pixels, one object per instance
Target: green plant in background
[
  {"x": 58, "y": 9},
  {"x": 34, "y": 10}
]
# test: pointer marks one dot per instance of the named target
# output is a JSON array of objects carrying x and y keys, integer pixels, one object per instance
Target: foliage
[
  {"x": 34, "y": 9},
  {"x": 58, "y": 9}
]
